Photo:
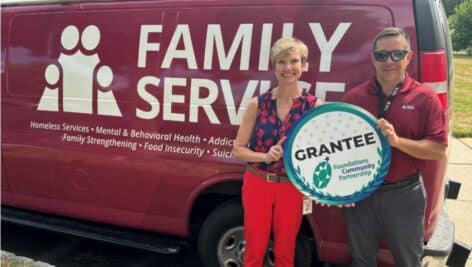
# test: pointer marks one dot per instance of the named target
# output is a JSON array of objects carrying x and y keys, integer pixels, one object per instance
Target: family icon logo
[{"x": 78, "y": 72}]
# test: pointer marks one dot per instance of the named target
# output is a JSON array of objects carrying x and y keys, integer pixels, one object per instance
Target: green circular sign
[{"x": 336, "y": 155}]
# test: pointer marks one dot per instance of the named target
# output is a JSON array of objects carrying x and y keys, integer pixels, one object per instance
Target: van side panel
[
  {"x": 76, "y": 83},
  {"x": 123, "y": 112}
]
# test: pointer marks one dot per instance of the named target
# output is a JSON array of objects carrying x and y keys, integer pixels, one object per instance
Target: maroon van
[{"x": 118, "y": 117}]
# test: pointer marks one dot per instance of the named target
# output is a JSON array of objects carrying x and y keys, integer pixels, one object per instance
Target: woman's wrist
[{"x": 265, "y": 158}]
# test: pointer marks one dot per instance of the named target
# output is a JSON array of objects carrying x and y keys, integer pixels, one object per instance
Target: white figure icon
[
  {"x": 78, "y": 76},
  {"x": 50, "y": 98},
  {"x": 106, "y": 103}
]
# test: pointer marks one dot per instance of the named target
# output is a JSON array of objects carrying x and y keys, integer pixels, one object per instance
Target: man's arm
[{"x": 421, "y": 149}]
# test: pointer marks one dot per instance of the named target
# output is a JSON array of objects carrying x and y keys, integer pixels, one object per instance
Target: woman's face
[{"x": 289, "y": 67}]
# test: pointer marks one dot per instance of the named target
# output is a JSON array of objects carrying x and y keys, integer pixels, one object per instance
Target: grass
[{"x": 462, "y": 96}]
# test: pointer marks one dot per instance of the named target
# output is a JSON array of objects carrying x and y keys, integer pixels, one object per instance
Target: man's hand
[{"x": 388, "y": 131}]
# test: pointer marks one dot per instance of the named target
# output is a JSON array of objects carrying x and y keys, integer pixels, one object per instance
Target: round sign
[{"x": 336, "y": 155}]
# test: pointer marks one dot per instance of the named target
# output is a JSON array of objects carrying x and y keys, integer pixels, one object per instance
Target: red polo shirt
[{"x": 415, "y": 113}]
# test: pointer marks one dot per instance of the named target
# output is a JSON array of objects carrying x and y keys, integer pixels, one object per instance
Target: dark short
[{"x": 394, "y": 212}]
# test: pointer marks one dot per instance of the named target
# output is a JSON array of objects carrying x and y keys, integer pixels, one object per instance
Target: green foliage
[
  {"x": 468, "y": 50},
  {"x": 462, "y": 97},
  {"x": 460, "y": 23},
  {"x": 449, "y": 6}
]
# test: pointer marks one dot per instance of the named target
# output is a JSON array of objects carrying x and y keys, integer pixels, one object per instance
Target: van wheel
[{"x": 221, "y": 241}]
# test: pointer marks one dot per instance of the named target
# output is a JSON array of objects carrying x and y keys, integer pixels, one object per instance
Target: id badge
[{"x": 307, "y": 205}]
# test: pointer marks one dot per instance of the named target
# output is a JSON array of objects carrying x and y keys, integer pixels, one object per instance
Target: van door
[
  {"x": 29, "y": 156},
  {"x": 71, "y": 99}
]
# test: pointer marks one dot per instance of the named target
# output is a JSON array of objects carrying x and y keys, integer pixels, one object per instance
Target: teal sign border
[{"x": 294, "y": 173}]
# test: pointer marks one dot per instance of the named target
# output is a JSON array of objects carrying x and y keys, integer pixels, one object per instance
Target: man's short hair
[
  {"x": 288, "y": 45},
  {"x": 392, "y": 32}
]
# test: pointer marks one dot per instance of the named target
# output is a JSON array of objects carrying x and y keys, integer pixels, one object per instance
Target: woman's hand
[{"x": 275, "y": 152}]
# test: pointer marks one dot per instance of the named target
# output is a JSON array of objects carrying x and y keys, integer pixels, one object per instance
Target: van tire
[
  {"x": 219, "y": 222},
  {"x": 228, "y": 219}
]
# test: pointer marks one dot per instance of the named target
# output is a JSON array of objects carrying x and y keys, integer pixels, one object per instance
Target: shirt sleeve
[{"x": 435, "y": 121}]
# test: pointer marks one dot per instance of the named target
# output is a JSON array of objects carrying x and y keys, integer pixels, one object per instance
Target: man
[{"x": 411, "y": 118}]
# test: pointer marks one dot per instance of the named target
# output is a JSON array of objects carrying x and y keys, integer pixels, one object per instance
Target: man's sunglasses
[{"x": 395, "y": 55}]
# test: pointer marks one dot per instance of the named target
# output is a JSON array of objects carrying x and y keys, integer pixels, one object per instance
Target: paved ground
[
  {"x": 460, "y": 210},
  {"x": 460, "y": 170}
]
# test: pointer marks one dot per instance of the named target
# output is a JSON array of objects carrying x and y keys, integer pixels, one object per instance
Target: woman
[{"x": 270, "y": 201}]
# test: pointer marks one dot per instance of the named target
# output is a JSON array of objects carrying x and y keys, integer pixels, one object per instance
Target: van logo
[{"x": 78, "y": 71}]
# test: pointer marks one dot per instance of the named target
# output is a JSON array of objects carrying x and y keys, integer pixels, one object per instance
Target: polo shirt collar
[{"x": 407, "y": 84}]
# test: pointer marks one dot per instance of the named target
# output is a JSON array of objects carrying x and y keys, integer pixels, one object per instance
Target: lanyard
[{"x": 382, "y": 108}]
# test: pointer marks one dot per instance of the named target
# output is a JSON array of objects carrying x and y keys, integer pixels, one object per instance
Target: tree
[
  {"x": 449, "y": 6},
  {"x": 460, "y": 23}
]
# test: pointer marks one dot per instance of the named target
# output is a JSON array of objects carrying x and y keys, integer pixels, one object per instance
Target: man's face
[{"x": 391, "y": 71}]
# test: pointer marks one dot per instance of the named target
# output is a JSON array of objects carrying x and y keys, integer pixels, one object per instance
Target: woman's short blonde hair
[{"x": 286, "y": 46}]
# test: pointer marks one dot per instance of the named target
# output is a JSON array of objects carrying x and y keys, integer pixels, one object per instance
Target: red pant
[{"x": 268, "y": 204}]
